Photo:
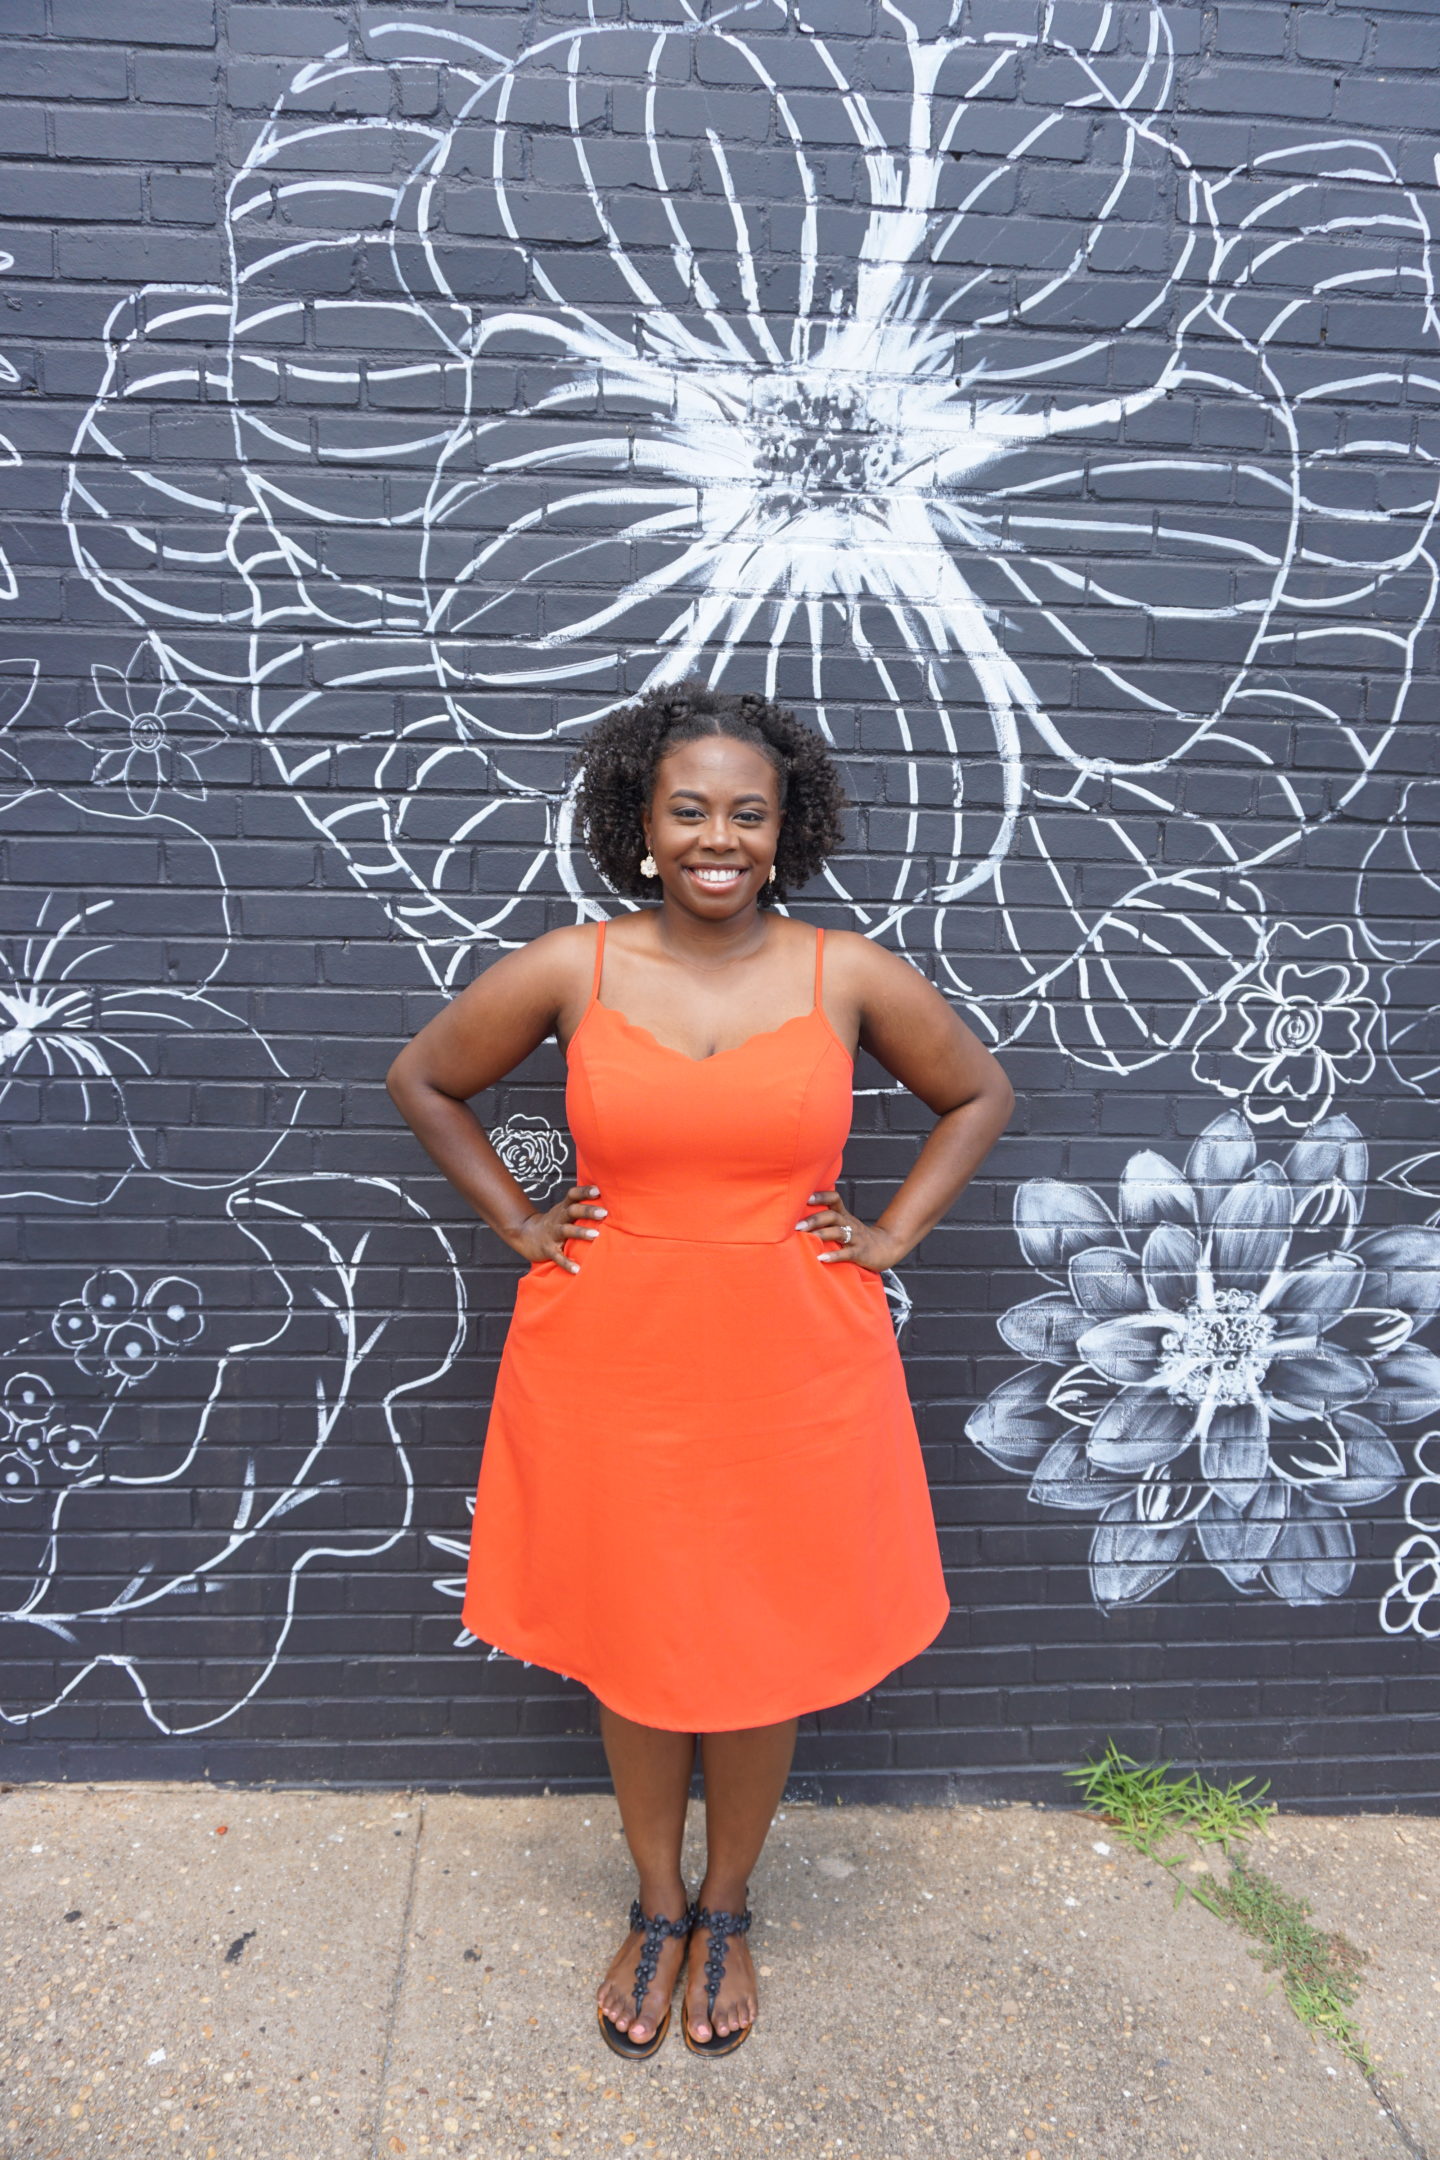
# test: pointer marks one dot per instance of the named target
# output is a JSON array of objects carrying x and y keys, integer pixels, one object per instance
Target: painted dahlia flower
[{"x": 1221, "y": 1364}]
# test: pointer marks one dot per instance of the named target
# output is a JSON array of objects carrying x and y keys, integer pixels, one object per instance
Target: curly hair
[{"x": 617, "y": 778}]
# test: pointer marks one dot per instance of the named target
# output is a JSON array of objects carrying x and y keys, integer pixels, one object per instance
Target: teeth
[{"x": 717, "y": 877}]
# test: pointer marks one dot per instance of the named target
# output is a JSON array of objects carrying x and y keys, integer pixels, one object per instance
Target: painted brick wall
[{"x": 1046, "y": 402}]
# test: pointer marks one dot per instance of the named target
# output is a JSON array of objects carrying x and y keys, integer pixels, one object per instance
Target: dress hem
[{"x": 768, "y": 1716}]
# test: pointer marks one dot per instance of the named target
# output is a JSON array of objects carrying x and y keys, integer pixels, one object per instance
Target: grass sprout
[{"x": 1145, "y": 1804}]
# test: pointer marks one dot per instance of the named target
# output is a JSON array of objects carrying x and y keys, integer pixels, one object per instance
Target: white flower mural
[
  {"x": 1288, "y": 1036},
  {"x": 1412, "y": 1601},
  {"x": 1219, "y": 1371},
  {"x": 282, "y": 1425},
  {"x": 1048, "y": 540},
  {"x": 148, "y": 733},
  {"x": 532, "y": 1151},
  {"x": 90, "y": 1050}
]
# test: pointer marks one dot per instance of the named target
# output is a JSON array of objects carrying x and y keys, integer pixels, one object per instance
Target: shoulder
[
  {"x": 553, "y": 965},
  {"x": 863, "y": 966}
]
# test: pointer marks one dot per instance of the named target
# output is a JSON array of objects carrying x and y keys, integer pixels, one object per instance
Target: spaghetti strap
[
  {"x": 819, "y": 968},
  {"x": 599, "y": 961}
]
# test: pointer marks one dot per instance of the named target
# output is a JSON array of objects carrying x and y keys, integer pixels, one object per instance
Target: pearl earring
[{"x": 647, "y": 866}]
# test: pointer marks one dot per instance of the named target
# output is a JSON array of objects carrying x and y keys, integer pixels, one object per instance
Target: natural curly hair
[{"x": 617, "y": 778}]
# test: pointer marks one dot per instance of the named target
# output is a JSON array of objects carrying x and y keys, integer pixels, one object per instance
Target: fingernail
[{"x": 601, "y": 1213}]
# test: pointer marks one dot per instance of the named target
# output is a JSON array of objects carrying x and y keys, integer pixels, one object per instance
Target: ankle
[
  {"x": 721, "y": 1894},
  {"x": 663, "y": 1894}
]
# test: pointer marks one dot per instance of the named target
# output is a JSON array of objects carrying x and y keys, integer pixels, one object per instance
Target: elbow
[{"x": 395, "y": 1082}]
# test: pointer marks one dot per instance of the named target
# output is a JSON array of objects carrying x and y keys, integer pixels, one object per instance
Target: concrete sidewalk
[{"x": 260, "y": 1975}]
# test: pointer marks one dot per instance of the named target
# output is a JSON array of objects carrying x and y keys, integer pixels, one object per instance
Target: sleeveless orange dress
[{"x": 702, "y": 1492}]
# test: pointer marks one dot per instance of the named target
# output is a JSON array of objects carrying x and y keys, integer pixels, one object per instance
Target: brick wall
[{"x": 1046, "y": 405}]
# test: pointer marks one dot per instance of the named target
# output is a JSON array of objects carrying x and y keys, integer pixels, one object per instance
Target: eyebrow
[{"x": 695, "y": 795}]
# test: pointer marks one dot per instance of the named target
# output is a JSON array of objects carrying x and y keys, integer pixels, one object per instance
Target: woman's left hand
[{"x": 865, "y": 1245}]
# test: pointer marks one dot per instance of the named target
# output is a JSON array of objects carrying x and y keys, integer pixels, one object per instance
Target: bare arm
[
  {"x": 482, "y": 1035},
  {"x": 908, "y": 1028}
]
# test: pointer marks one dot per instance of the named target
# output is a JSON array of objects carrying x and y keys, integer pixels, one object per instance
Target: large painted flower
[
  {"x": 1221, "y": 1364},
  {"x": 711, "y": 343},
  {"x": 1300, "y": 1028}
]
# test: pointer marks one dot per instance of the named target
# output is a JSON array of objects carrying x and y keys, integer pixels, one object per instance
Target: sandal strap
[
  {"x": 656, "y": 1930},
  {"x": 721, "y": 1926}
]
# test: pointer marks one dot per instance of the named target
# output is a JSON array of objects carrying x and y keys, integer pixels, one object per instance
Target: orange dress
[{"x": 702, "y": 1492}]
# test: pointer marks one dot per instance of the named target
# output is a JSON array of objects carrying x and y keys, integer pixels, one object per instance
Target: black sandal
[
  {"x": 656, "y": 1930},
  {"x": 722, "y": 1925}
]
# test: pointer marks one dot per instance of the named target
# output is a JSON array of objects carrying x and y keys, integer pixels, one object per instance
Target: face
[{"x": 714, "y": 824}]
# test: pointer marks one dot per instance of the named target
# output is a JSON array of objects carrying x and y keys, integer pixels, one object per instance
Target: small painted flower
[
  {"x": 19, "y": 1478},
  {"x": 72, "y": 1447},
  {"x": 171, "y": 1308},
  {"x": 1286, "y": 1040},
  {"x": 1413, "y": 1598},
  {"x": 532, "y": 1151},
  {"x": 1221, "y": 1363},
  {"x": 148, "y": 732},
  {"x": 27, "y": 1396}
]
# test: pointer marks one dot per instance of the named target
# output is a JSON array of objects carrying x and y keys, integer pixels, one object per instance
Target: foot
[
  {"x": 616, "y": 1993},
  {"x": 738, "y": 2000}
]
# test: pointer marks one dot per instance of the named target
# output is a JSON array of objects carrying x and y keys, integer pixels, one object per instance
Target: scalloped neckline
[{"x": 763, "y": 1034}]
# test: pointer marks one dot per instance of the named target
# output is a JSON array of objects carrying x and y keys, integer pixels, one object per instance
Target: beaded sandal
[
  {"x": 721, "y": 1925},
  {"x": 656, "y": 1930}
]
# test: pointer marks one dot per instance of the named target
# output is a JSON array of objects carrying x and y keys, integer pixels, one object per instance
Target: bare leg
[
  {"x": 651, "y": 1770},
  {"x": 745, "y": 1775}
]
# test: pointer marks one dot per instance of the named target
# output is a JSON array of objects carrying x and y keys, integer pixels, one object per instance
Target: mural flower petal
[
  {"x": 1223, "y": 1154},
  {"x": 1407, "y": 1387},
  {"x": 1067, "y": 1478},
  {"x": 1320, "y": 1291},
  {"x": 1130, "y": 1559},
  {"x": 1251, "y": 1233},
  {"x": 1403, "y": 1271},
  {"x": 1044, "y": 1328},
  {"x": 1172, "y": 1258},
  {"x": 1054, "y": 1221},
  {"x": 1235, "y": 1452},
  {"x": 1125, "y": 1350},
  {"x": 1153, "y": 1191},
  {"x": 1016, "y": 1426},
  {"x": 1139, "y": 1430},
  {"x": 1303, "y": 1382},
  {"x": 1372, "y": 1465},
  {"x": 1327, "y": 1169},
  {"x": 1313, "y": 1558},
  {"x": 1237, "y": 1537},
  {"x": 1106, "y": 1282}
]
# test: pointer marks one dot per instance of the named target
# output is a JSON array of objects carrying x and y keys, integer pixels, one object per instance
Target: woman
[{"x": 702, "y": 1492}]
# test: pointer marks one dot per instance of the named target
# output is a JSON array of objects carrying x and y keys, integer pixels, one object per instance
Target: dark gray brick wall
[{"x": 392, "y": 389}]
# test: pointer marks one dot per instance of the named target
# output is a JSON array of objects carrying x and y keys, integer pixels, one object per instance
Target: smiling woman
[{"x": 701, "y": 1410}]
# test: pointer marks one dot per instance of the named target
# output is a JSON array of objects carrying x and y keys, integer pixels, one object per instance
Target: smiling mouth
[{"x": 719, "y": 877}]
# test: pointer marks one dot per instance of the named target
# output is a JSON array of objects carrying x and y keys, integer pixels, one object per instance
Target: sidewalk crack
[{"x": 397, "y": 1986}]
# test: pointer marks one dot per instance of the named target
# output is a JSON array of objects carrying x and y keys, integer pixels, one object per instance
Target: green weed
[{"x": 1144, "y": 1804}]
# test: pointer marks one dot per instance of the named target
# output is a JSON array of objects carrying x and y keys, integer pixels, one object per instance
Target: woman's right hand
[{"x": 543, "y": 1237}]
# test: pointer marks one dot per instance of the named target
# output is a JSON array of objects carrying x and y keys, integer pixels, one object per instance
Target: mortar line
[{"x": 398, "y": 1983}]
